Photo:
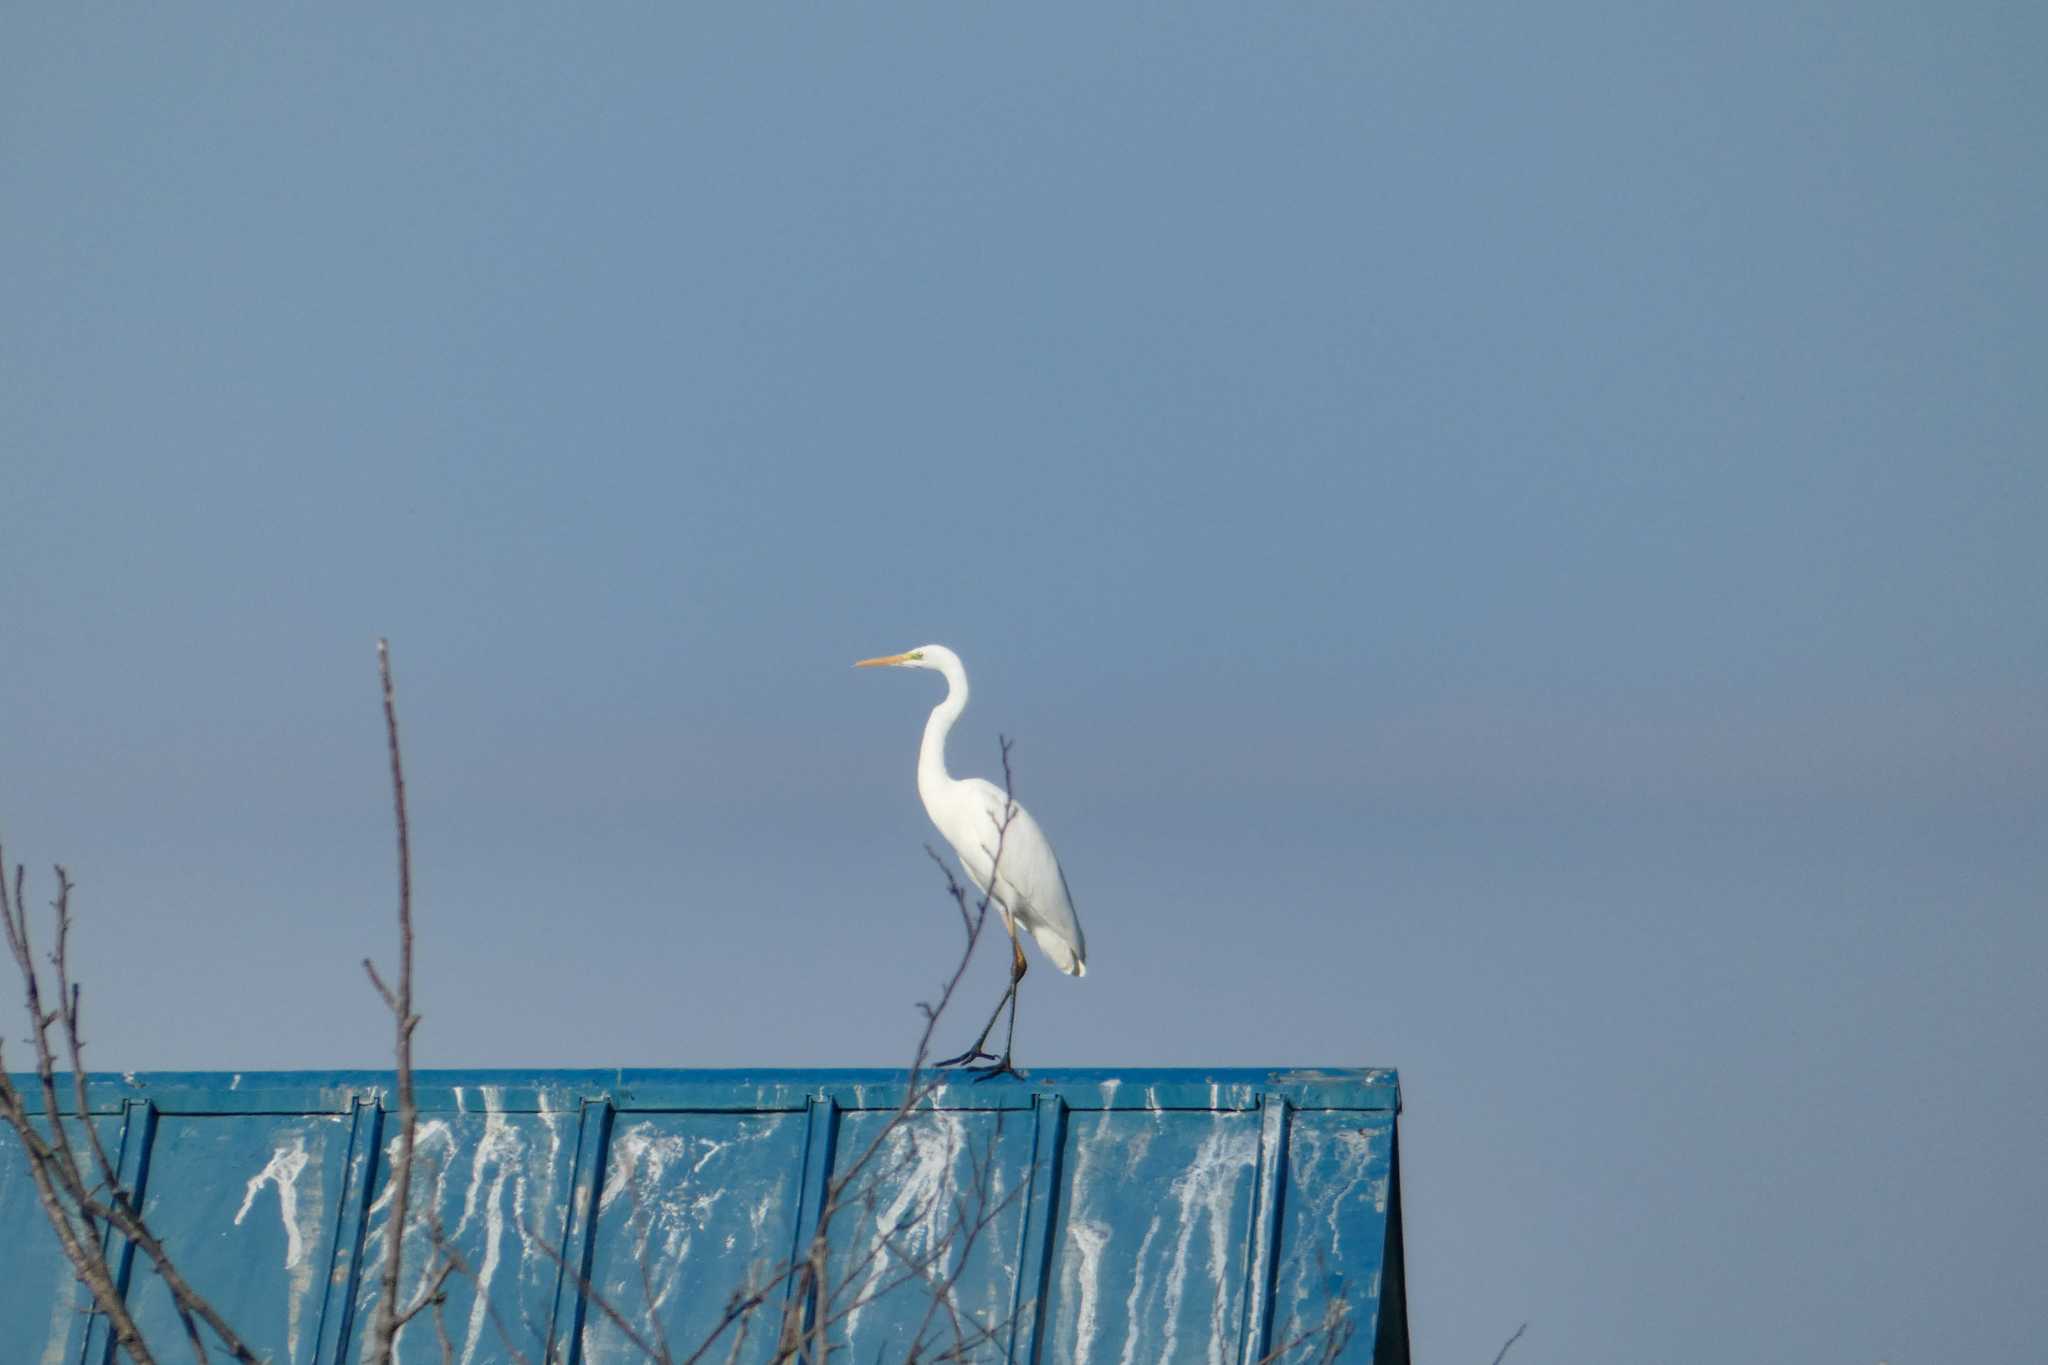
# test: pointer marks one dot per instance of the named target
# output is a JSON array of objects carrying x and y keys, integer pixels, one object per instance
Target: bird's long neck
[{"x": 932, "y": 776}]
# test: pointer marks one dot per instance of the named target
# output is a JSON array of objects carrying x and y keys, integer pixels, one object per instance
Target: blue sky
[{"x": 1508, "y": 541}]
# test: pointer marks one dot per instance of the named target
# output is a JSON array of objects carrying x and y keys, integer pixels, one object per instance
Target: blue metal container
[{"x": 1079, "y": 1216}]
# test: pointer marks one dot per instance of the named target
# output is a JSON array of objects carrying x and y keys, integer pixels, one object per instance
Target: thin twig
[
  {"x": 61, "y": 1184},
  {"x": 432, "y": 1293},
  {"x": 71, "y": 996},
  {"x": 1334, "y": 1331},
  {"x": 81, "y": 1249},
  {"x": 440, "y": 1302},
  {"x": 384, "y": 1328}
]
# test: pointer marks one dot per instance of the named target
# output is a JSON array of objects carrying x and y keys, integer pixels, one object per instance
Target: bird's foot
[
  {"x": 973, "y": 1054},
  {"x": 1001, "y": 1068}
]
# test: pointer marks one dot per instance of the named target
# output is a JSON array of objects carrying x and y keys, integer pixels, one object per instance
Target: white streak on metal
[
  {"x": 662, "y": 1199},
  {"x": 1136, "y": 1146},
  {"x": 1331, "y": 1164},
  {"x": 915, "y": 1218},
  {"x": 285, "y": 1166},
  {"x": 1208, "y": 1188},
  {"x": 1089, "y": 1240},
  {"x": 641, "y": 1159},
  {"x": 639, "y": 1146},
  {"x": 552, "y": 1117},
  {"x": 302, "y": 1274},
  {"x": 282, "y": 1171},
  {"x": 1081, "y": 1273},
  {"x": 429, "y": 1135},
  {"x": 1137, "y": 1292},
  {"x": 1354, "y": 1161},
  {"x": 62, "y": 1313},
  {"x": 499, "y": 1149},
  {"x": 712, "y": 1147}
]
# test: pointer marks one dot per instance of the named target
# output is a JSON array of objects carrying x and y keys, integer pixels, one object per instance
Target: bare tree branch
[
  {"x": 1329, "y": 1337},
  {"x": 431, "y": 1295},
  {"x": 389, "y": 1317},
  {"x": 77, "y": 1214},
  {"x": 80, "y": 1244}
]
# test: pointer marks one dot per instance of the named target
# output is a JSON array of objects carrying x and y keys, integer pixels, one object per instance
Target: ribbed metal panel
[{"x": 1077, "y": 1216}]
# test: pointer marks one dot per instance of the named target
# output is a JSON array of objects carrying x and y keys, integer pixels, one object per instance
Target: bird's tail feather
[{"x": 1060, "y": 953}]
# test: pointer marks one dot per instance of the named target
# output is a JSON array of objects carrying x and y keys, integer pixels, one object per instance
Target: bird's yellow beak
[{"x": 882, "y": 662}]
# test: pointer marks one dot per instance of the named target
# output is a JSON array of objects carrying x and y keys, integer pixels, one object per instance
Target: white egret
[{"x": 1000, "y": 846}]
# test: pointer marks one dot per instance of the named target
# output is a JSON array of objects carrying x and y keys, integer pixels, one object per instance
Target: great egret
[{"x": 1000, "y": 846}]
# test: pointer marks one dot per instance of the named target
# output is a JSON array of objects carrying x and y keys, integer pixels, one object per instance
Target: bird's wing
[{"x": 1030, "y": 881}]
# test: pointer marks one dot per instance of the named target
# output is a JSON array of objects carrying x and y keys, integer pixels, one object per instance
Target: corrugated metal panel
[{"x": 1127, "y": 1216}]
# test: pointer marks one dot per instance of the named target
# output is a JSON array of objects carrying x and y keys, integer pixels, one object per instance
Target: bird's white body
[
  {"x": 1029, "y": 885},
  {"x": 1015, "y": 865}
]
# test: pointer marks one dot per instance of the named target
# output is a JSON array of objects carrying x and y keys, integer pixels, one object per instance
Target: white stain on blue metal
[
  {"x": 1348, "y": 1155},
  {"x": 551, "y": 1119},
  {"x": 1336, "y": 1224},
  {"x": 433, "y": 1149},
  {"x": 1137, "y": 1293},
  {"x": 642, "y": 1156},
  {"x": 918, "y": 1162},
  {"x": 1206, "y": 1192},
  {"x": 496, "y": 1160},
  {"x": 63, "y": 1312},
  {"x": 1089, "y": 1238},
  {"x": 283, "y": 1170}
]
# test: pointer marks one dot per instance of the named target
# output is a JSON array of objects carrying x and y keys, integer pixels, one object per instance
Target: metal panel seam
[
  {"x": 579, "y": 1230},
  {"x": 359, "y": 1188},
  {"x": 131, "y": 1170},
  {"x": 1034, "y": 1238},
  {"x": 821, "y": 1139},
  {"x": 1262, "y": 1250}
]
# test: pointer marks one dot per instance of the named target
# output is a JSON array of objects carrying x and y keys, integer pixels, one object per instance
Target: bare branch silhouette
[
  {"x": 389, "y": 1316},
  {"x": 84, "y": 1212}
]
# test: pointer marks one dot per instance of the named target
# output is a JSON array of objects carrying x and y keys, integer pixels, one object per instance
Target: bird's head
[{"x": 924, "y": 656}]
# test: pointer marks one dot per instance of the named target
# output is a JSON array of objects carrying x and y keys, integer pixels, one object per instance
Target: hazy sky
[{"x": 1509, "y": 538}]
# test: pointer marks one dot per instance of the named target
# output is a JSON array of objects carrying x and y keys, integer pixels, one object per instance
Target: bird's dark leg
[
  {"x": 1018, "y": 966},
  {"x": 975, "y": 1054}
]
